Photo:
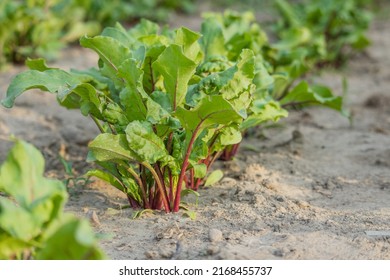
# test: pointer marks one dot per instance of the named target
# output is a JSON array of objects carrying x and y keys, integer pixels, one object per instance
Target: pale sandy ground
[{"x": 312, "y": 196}]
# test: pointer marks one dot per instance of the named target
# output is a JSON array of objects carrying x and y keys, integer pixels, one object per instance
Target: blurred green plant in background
[
  {"x": 40, "y": 28},
  {"x": 338, "y": 26}
]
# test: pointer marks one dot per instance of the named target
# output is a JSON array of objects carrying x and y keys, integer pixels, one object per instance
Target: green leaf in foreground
[
  {"x": 75, "y": 237},
  {"x": 32, "y": 222}
]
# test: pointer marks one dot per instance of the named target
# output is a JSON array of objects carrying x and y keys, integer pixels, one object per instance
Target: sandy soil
[{"x": 311, "y": 187}]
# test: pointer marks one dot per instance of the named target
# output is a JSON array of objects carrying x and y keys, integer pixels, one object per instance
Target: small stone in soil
[
  {"x": 151, "y": 254},
  {"x": 215, "y": 235},
  {"x": 278, "y": 253},
  {"x": 213, "y": 250},
  {"x": 122, "y": 247},
  {"x": 302, "y": 204}
]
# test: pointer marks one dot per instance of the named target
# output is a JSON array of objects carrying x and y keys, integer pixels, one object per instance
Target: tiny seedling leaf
[{"x": 214, "y": 177}]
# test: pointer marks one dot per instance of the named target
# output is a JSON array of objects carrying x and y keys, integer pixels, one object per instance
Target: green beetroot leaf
[
  {"x": 214, "y": 178},
  {"x": 177, "y": 69},
  {"x": 144, "y": 142},
  {"x": 212, "y": 41},
  {"x": 23, "y": 178},
  {"x": 111, "y": 53},
  {"x": 19, "y": 222},
  {"x": 39, "y": 200},
  {"x": 70, "y": 239},
  {"x": 51, "y": 80},
  {"x": 107, "y": 177},
  {"x": 304, "y": 95},
  {"x": 228, "y": 135},
  {"x": 133, "y": 95},
  {"x": 83, "y": 96},
  {"x": 239, "y": 88},
  {"x": 189, "y": 41},
  {"x": 110, "y": 50},
  {"x": 37, "y": 64},
  {"x": 31, "y": 213},
  {"x": 110, "y": 147},
  {"x": 130, "y": 71},
  {"x": 119, "y": 177},
  {"x": 234, "y": 84},
  {"x": 211, "y": 111},
  {"x": 263, "y": 111}
]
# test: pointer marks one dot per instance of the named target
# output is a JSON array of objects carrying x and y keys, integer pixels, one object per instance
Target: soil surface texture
[{"x": 314, "y": 186}]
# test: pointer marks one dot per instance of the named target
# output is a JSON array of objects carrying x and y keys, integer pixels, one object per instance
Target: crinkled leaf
[
  {"x": 155, "y": 110},
  {"x": 143, "y": 28},
  {"x": 229, "y": 135},
  {"x": 262, "y": 112},
  {"x": 114, "y": 114},
  {"x": 239, "y": 89},
  {"x": 144, "y": 142}
]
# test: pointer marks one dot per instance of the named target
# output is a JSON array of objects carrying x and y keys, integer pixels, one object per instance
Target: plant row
[
  {"x": 40, "y": 28},
  {"x": 37, "y": 28},
  {"x": 169, "y": 103}
]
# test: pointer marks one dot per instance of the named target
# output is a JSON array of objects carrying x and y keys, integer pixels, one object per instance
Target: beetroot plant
[
  {"x": 162, "y": 122},
  {"x": 279, "y": 68}
]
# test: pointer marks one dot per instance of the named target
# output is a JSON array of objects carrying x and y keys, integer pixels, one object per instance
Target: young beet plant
[
  {"x": 338, "y": 27},
  {"x": 279, "y": 68},
  {"x": 163, "y": 121},
  {"x": 33, "y": 224}
]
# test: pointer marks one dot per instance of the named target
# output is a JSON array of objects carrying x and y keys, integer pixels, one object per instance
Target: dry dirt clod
[
  {"x": 297, "y": 137},
  {"x": 215, "y": 235},
  {"x": 152, "y": 255}
]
